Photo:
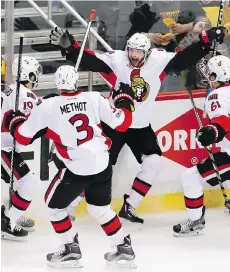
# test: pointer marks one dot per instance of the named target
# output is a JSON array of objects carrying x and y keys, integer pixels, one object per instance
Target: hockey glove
[
  {"x": 210, "y": 134},
  {"x": 62, "y": 39},
  {"x": 215, "y": 34},
  {"x": 123, "y": 97},
  {"x": 14, "y": 119}
]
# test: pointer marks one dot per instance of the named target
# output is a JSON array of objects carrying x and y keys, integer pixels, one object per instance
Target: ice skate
[
  {"x": 26, "y": 223},
  {"x": 128, "y": 212},
  {"x": 189, "y": 227},
  {"x": 67, "y": 256},
  {"x": 123, "y": 256},
  {"x": 17, "y": 234}
]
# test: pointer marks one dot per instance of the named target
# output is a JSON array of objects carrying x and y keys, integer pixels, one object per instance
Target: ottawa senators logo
[{"x": 139, "y": 86}]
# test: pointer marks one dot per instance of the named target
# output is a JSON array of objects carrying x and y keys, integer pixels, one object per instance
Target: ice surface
[{"x": 155, "y": 247}]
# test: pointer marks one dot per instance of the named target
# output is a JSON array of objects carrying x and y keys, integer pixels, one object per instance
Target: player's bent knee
[
  {"x": 98, "y": 211},
  {"x": 190, "y": 178},
  {"x": 151, "y": 162},
  {"x": 27, "y": 186}
]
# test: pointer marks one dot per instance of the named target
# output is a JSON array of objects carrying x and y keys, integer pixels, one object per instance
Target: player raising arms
[
  {"x": 143, "y": 69},
  {"x": 217, "y": 106},
  {"x": 25, "y": 183},
  {"x": 73, "y": 121}
]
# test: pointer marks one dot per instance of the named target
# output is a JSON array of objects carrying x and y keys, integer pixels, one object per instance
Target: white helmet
[
  {"x": 29, "y": 65},
  {"x": 66, "y": 78},
  {"x": 139, "y": 41},
  {"x": 220, "y": 66}
]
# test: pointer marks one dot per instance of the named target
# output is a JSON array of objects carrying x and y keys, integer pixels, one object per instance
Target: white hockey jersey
[
  {"x": 145, "y": 81},
  {"x": 217, "y": 106},
  {"x": 27, "y": 100},
  {"x": 73, "y": 122}
]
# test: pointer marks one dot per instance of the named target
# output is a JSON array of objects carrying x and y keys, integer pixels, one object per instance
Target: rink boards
[{"x": 175, "y": 124}]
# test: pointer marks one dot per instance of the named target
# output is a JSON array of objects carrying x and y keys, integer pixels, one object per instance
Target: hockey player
[
  {"x": 73, "y": 121},
  {"x": 25, "y": 223},
  {"x": 143, "y": 69},
  {"x": 217, "y": 105},
  {"x": 25, "y": 183}
]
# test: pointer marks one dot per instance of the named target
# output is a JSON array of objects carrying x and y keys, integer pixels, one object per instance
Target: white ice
[{"x": 156, "y": 249}]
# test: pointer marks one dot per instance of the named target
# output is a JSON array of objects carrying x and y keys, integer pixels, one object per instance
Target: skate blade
[
  {"x": 192, "y": 233},
  {"x": 122, "y": 264},
  {"x": 65, "y": 264},
  {"x": 6, "y": 236}
]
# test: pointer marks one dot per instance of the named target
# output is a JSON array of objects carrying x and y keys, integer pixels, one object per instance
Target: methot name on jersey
[{"x": 76, "y": 106}]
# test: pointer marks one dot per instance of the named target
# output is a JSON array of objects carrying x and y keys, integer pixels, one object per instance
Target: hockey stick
[
  {"x": 16, "y": 109},
  {"x": 91, "y": 18},
  {"x": 227, "y": 200},
  {"x": 219, "y": 22}
]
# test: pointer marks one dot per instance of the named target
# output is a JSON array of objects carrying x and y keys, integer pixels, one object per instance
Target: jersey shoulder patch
[{"x": 7, "y": 91}]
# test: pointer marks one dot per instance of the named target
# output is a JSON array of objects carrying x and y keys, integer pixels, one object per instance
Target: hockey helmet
[
  {"x": 29, "y": 67},
  {"x": 220, "y": 67},
  {"x": 140, "y": 41},
  {"x": 66, "y": 78}
]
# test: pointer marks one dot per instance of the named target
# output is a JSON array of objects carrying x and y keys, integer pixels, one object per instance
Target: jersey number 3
[{"x": 83, "y": 127}]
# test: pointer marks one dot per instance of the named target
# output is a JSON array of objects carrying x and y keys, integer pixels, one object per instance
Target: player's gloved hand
[
  {"x": 63, "y": 39},
  {"x": 123, "y": 97},
  {"x": 13, "y": 119},
  {"x": 214, "y": 34},
  {"x": 50, "y": 96},
  {"x": 210, "y": 134}
]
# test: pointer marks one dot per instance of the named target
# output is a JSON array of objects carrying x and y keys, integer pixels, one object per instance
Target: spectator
[
  {"x": 196, "y": 75},
  {"x": 172, "y": 9},
  {"x": 184, "y": 24}
]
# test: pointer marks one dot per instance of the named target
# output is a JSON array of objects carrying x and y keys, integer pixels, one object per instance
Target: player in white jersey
[
  {"x": 143, "y": 69},
  {"x": 25, "y": 183},
  {"x": 73, "y": 121},
  {"x": 217, "y": 105}
]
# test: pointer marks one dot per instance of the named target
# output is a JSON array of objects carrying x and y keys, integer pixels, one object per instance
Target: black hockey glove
[
  {"x": 123, "y": 97},
  {"x": 210, "y": 134},
  {"x": 215, "y": 34},
  {"x": 50, "y": 96},
  {"x": 13, "y": 119},
  {"x": 62, "y": 39}
]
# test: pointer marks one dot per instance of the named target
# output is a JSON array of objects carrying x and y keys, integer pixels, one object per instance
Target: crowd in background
[{"x": 181, "y": 21}]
